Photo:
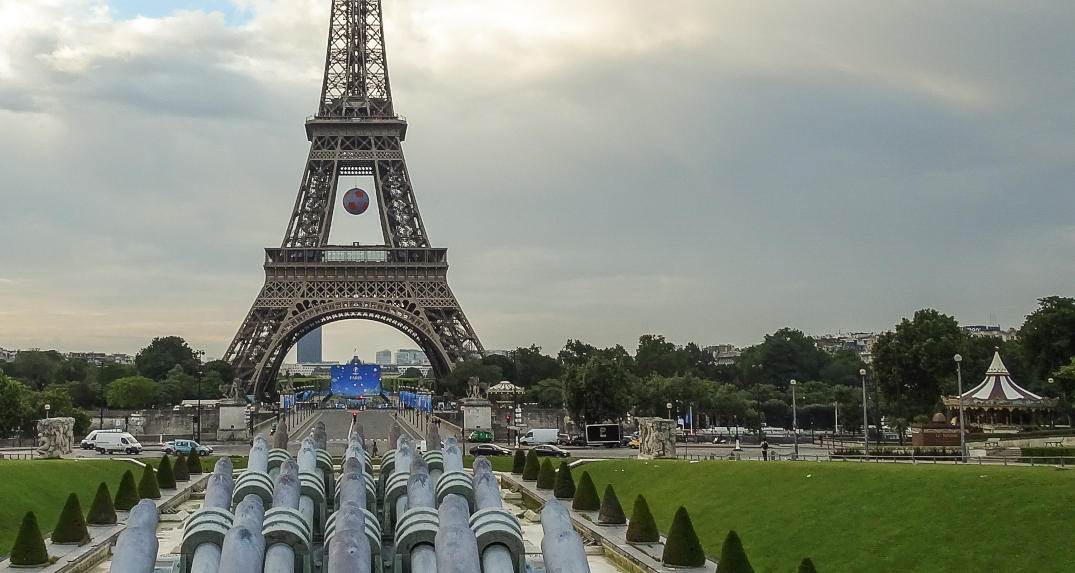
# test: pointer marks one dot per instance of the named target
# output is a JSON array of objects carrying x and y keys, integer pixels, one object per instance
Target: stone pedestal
[
  {"x": 477, "y": 414},
  {"x": 656, "y": 438},
  {"x": 54, "y": 437},
  {"x": 233, "y": 423}
]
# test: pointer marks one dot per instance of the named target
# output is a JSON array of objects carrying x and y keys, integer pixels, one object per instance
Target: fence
[{"x": 1029, "y": 461}]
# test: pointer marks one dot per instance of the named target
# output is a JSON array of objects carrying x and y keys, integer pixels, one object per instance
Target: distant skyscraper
[
  {"x": 309, "y": 348},
  {"x": 411, "y": 357},
  {"x": 384, "y": 357}
]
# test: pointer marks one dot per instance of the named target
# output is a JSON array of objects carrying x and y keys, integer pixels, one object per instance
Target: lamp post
[
  {"x": 865, "y": 420},
  {"x": 959, "y": 389},
  {"x": 47, "y": 408},
  {"x": 669, "y": 406},
  {"x": 794, "y": 419}
]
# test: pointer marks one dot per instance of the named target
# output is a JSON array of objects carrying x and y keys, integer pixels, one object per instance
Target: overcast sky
[{"x": 703, "y": 169}]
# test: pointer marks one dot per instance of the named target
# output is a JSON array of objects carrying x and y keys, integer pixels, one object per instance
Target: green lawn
[
  {"x": 42, "y": 486},
  {"x": 863, "y": 517}
]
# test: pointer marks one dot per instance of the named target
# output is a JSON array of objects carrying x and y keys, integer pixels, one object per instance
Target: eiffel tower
[{"x": 309, "y": 282}]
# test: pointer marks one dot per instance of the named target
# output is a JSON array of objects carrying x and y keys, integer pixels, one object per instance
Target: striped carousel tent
[{"x": 998, "y": 400}]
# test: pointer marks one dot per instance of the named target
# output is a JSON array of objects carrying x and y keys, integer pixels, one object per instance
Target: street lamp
[
  {"x": 669, "y": 406},
  {"x": 959, "y": 389},
  {"x": 794, "y": 419},
  {"x": 47, "y": 408},
  {"x": 865, "y": 420}
]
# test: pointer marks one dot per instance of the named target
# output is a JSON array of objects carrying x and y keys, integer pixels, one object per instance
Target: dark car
[
  {"x": 568, "y": 440},
  {"x": 489, "y": 450},
  {"x": 548, "y": 450}
]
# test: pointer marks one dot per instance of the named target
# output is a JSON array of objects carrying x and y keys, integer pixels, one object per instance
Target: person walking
[{"x": 764, "y": 450}]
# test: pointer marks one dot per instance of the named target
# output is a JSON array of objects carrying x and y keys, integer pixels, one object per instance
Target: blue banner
[
  {"x": 422, "y": 402},
  {"x": 355, "y": 380}
]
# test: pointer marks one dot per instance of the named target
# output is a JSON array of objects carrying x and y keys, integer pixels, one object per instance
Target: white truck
[
  {"x": 539, "y": 436},
  {"x": 109, "y": 442}
]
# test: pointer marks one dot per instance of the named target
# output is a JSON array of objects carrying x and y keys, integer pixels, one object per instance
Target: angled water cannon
[
  {"x": 353, "y": 516},
  {"x": 455, "y": 479},
  {"x": 417, "y": 529},
  {"x": 278, "y": 454},
  {"x": 244, "y": 544},
  {"x": 312, "y": 497},
  {"x": 497, "y": 532},
  {"x": 433, "y": 455},
  {"x": 136, "y": 547},
  {"x": 395, "y": 487},
  {"x": 255, "y": 480},
  {"x": 288, "y": 535},
  {"x": 203, "y": 535}
]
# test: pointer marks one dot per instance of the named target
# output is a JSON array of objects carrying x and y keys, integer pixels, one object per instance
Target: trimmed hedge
[
  {"x": 71, "y": 526},
  {"x": 147, "y": 486},
  {"x": 732, "y": 557},
  {"x": 642, "y": 527},
  {"x": 585, "y": 498},
  {"x": 532, "y": 467},
  {"x": 611, "y": 510},
  {"x": 682, "y": 547},
  {"x": 165, "y": 477},
  {"x": 1047, "y": 455},
  {"x": 29, "y": 548},
  {"x": 807, "y": 566},
  {"x": 564, "y": 488},
  {"x": 546, "y": 476},
  {"x": 179, "y": 470},
  {"x": 519, "y": 463},
  {"x": 127, "y": 494},
  {"x": 194, "y": 463},
  {"x": 102, "y": 512}
]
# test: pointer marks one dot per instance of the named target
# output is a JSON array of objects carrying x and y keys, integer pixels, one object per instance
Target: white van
[
  {"x": 89, "y": 442},
  {"x": 108, "y": 442},
  {"x": 539, "y": 436}
]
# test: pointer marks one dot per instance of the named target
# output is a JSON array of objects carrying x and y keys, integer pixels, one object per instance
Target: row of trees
[
  {"x": 912, "y": 368},
  {"x": 164, "y": 372}
]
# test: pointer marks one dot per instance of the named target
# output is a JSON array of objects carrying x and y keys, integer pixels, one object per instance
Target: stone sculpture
[
  {"x": 656, "y": 438},
  {"x": 54, "y": 437}
]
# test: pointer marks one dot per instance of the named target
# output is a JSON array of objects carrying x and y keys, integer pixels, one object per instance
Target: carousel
[{"x": 999, "y": 403}]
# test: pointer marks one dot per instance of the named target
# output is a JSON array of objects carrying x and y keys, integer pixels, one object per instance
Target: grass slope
[
  {"x": 42, "y": 486},
  {"x": 864, "y": 517}
]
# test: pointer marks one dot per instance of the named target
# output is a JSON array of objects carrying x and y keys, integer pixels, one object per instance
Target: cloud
[{"x": 598, "y": 170}]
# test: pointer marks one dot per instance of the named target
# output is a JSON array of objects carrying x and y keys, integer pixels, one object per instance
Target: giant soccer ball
[{"x": 356, "y": 201}]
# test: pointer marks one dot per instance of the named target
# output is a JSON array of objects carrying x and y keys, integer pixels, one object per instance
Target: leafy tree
[
  {"x": 682, "y": 547},
  {"x": 108, "y": 371},
  {"x": 71, "y": 526},
  {"x": 732, "y": 557},
  {"x": 611, "y": 510},
  {"x": 783, "y": 355},
  {"x": 82, "y": 393},
  {"x": 178, "y": 385},
  {"x": 655, "y": 355},
  {"x": 102, "y": 511},
  {"x": 530, "y": 366},
  {"x": 585, "y": 498},
  {"x": 456, "y": 382},
  {"x": 29, "y": 548},
  {"x": 576, "y": 353},
  {"x": 60, "y": 405},
  {"x": 163, "y": 354},
  {"x": 222, "y": 368},
  {"x": 37, "y": 368},
  {"x": 506, "y": 365},
  {"x": 842, "y": 368},
  {"x": 532, "y": 466},
  {"x": 412, "y": 373},
  {"x": 642, "y": 528},
  {"x": 127, "y": 493},
  {"x": 132, "y": 392},
  {"x": 547, "y": 393},
  {"x": 14, "y": 405},
  {"x": 564, "y": 488},
  {"x": 598, "y": 390},
  {"x": 914, "y": 362},
  {"x": 546, "y": 475},
  {"x": 147, "y": 486},
  {"x": 180, "y": 470}
]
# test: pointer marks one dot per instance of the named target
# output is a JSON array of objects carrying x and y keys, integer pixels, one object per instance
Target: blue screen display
[{"x": 356, "y": 380}]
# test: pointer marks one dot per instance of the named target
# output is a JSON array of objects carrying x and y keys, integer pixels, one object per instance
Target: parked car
[
  {"x": 489, "y": 450},
  {"x": 108, "y": 442},
  {"x": 89, "y": 442},
  {"x": 633, "y": 443},
  {"x": 185, "y": 446},
  {"x": 480, "y": 436},
  {"x": 569, "y": 440},
  {"x": 549, "y": 450}
]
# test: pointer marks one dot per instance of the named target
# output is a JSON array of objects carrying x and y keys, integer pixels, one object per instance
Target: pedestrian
[
  {"x": 764, "y": 450},
  {"x": 374, "y": 448}
]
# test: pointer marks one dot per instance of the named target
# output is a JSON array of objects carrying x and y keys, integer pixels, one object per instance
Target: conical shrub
[
  {"x": 165, "y": 477},
  {"x": 546, "y": 476},
  {"x": 29, "y": 548},
  {"x": 611, "y": 510},
  {"x": 807, "y": 566},
  {"x": 532, "y": 467},
  {"x": 682, "y": 547},
  {"x": 147, "y": 486},
  {"x": 732, "y": 557},
  {"x": 179, "y": 469},
  {"x": 642, "y": 528},
  {"x": 585, "y": 498},
  {"x": 194, "y": 463},
  {"x": 519, "y": 463},
  {"x": 71, "y": 527},
  {"x": 127, "y": 494},
  {"x": 102, "y": 512},
  {"x": 564, "y": 488}
]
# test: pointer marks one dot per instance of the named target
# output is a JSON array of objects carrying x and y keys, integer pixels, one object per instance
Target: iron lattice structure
[{"x": 308, "y": 282}]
